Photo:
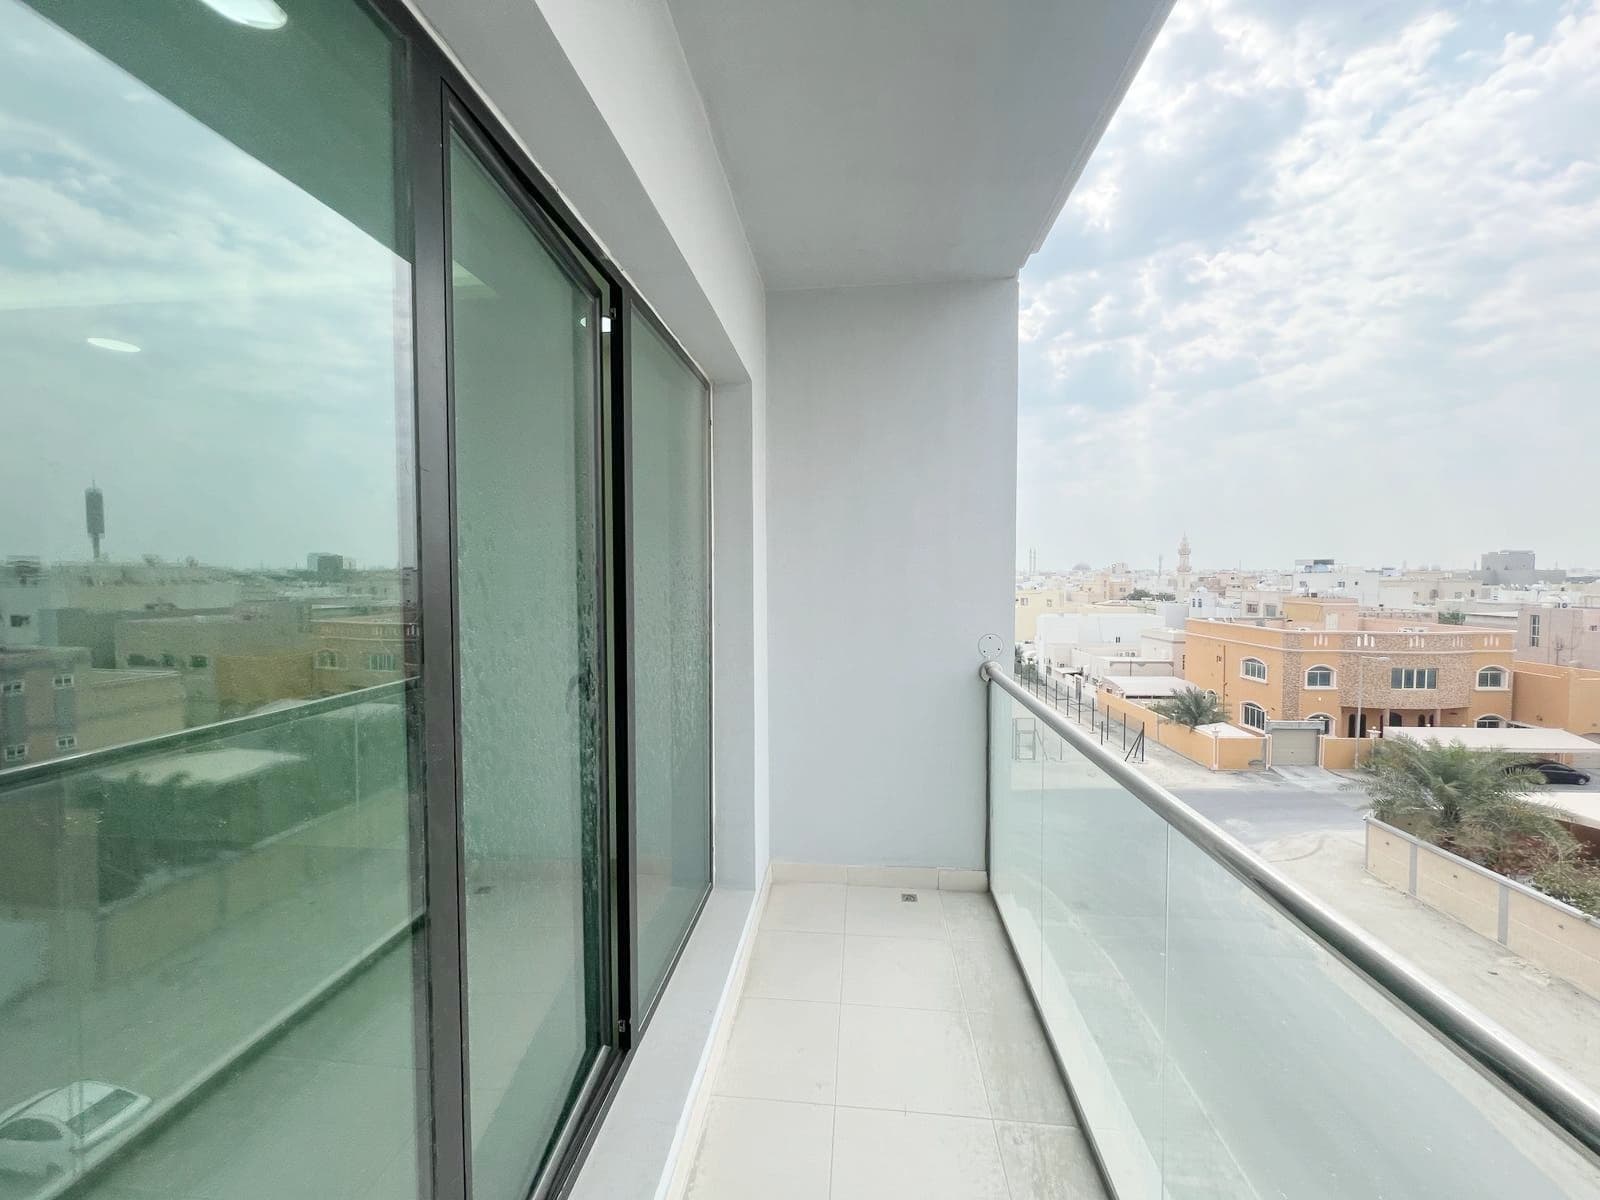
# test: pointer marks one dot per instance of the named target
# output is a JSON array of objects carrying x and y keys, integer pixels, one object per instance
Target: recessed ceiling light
[
  {"x": 257, "y": 14},
  {"x": 113, "y": 344}
]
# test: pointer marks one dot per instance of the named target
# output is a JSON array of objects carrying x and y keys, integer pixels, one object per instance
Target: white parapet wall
[{"x": 1546, "y": 932}]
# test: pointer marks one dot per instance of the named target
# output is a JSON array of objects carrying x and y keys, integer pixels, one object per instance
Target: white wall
[{"x": 891, "y": 493}]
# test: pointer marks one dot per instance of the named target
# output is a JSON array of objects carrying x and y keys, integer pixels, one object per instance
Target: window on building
[
  {"x": 13, "y": 687},
  {"x": 16, "y": 753},
  {"x": 199, "y": 662},
  {"x": 1324, "y": 720},
  {"x": 1253, "y": 668},
  {"x": 1491, "y": 677},
  {"x": 1022, "y": 601},
  {"x": 63, "y": 681},
  {"x": 1533, "y": 629},
  {"x": 328, "y": 660},
  {"x": 66, "y": 742},
  {"x": 169, "y": 660},
  {"x": 1319, "y": 677},
  {"x": 1414, "y": 678},
  {"x": 21, "y": 620},
  {"x": 1490, "y": 722},
  {"x": 142, "y": 660},
  {"x": 383, "y": 662},
  {"x": 1253, "y": 715}
]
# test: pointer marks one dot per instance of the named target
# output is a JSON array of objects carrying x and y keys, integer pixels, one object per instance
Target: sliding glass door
[
  {"x": 354, "y": 620},
  {"x": 525, "y": 354}
]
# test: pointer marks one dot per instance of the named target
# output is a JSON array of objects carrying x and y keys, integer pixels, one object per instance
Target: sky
[
  {"x": 258, "y": 420},
  {"x": 1328, "y": 287}
]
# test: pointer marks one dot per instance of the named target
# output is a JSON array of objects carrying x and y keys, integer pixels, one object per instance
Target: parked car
[
  {"x": 52, "y": 1131},
  {"x": 1557, "y": 772}
]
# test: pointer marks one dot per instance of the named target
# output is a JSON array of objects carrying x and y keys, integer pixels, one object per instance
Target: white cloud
[{"x": 1389, "y": 272}]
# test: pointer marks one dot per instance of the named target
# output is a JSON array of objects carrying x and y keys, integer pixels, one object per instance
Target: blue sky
[{"x": 1330, "y": 285}]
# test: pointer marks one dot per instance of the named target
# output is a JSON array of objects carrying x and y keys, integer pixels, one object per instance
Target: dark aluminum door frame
[{"x": 434, "y": 98}]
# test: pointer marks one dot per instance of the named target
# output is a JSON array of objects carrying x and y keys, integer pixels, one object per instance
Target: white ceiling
[{"x": 895, "y": 141}]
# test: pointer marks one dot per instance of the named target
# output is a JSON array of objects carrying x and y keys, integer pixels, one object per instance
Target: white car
[{"x": 52, "y": 1131}]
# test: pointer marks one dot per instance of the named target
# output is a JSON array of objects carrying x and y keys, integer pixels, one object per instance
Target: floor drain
[{"x": 908, "y": 897}]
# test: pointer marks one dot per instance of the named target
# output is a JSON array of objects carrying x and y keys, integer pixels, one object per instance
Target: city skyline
[{"x": 1353, "y": 254}]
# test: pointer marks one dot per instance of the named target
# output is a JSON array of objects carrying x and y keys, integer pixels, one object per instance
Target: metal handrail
[{"x": 1541, "y": 1088}]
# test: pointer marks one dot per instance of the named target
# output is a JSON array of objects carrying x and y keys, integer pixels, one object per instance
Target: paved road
[
  {"x": 1274, "y": 811},
  {"x": 1281, "y": 808}
]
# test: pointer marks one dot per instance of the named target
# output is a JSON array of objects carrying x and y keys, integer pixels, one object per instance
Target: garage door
[{"x": 1294, "y": 747}]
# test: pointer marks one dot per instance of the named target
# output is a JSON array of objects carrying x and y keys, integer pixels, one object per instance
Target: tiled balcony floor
[{"x": 886, "y": 1050}]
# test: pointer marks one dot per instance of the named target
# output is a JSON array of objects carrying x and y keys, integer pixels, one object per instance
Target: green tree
[
  {"x": 1471, "y": 802},
  {"x": 1453, "y": 617},
  {"x": 1191, "y": 707}
]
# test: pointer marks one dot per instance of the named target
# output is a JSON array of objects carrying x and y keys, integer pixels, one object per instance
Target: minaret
[{"x": 1183, "y": 556}]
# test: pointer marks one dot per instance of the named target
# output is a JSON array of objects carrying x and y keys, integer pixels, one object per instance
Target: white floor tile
[
  {"x": 970, "y": 915},
  {"x": 788, "y": 964},
  {"x": 899, "y": 1058},
  {"x": 900, "y": 972},
  {"x": 1019, "y": 1072},
  {"x": 883, "y": 912},
  {"x": 807, "y": 907},
  {"x": 913, "y": 1156},
  {"x": 990, "y": 980},
  {"x": 781, "y": 1050},
  {"x": 772, "y": 1149},
  {"x": 1047, "y": 1162}
]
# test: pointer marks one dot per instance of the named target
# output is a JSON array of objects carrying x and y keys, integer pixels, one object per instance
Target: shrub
[{"x": 1574, "y": 881}]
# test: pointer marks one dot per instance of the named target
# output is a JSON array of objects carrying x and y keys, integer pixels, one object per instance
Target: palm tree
[
  {"x": 1192, "y": 707},
  {"x": 1471, "y": 802}
]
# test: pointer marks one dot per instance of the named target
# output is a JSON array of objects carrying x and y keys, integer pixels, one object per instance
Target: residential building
[
  {"x": 597, "y": 890},
  {"x": 359, "y": 651},
  {"x": 1559, "y": 635},
  {"x": 1033, "y": 603},
  {"x": 1354, "y": 673},
  {"x": 1164, "y": 643},
  {"x": 30, "y": 589},
  {"x": 229, "y": 662},
  {"x": 54, "y": 703},
  {"x": 1556, "y": 696},
  {"x": 1516, "y": 568}
]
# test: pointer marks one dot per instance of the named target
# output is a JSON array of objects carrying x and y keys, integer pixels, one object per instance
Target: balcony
[
  {"x": 1220, "y": 1032},
  {"x": 657, "y": 362}
]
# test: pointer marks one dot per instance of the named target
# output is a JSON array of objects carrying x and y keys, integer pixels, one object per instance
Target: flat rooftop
[{"x": 1527, "y": 741}]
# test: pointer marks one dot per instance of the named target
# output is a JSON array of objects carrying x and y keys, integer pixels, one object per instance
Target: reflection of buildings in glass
[
  {"x": 359, "y": 651},
  {"x": 230, "y": 662},
  {"x": 54, "y": 702},
  {"x": 30, "y": 590}
]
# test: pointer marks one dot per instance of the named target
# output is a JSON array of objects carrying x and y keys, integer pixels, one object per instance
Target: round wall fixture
[
  {"x": 255, "y": 14},
  {"x": 990, "y": 645}
]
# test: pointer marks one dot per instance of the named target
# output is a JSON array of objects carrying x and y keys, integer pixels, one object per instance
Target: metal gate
[{"x": 1294, "y": 743}]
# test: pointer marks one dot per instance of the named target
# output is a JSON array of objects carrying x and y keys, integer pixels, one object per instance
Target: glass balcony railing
[
  {"x": 225, "y": 911},
  {"x": 1223, "y": 1034}
]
